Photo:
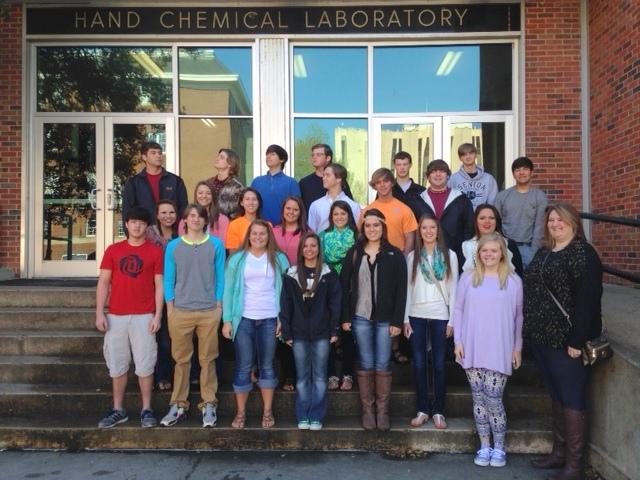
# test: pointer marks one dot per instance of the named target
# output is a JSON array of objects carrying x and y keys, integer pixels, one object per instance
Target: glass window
[
  {"x": 200, "y": 140},
  {"x": 104, "y": 79},
  {"x": 127, "y": 161},
  {"x": 349, "y": 140},
  {"x": 69, "y": 183},
  {"x": 489, "y": 140},
  {"x": 417, "y": 139},
  {"x": 330, "y": 79},
  {"x": 215, "y": 81},
  {"x": 447, "y": 78}
]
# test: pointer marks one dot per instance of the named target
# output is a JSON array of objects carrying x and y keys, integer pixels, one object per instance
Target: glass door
[
  {"x": 124, "y": 137},
  {"x": 68, "y": 196},
  {"x": 421, "y": 137},
  {"x": 493, "y": 137},
  {"x": 81, "y": 166}
]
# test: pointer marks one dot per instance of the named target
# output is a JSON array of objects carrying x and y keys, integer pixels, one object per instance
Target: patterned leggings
[{"x": 487, "y": 388}]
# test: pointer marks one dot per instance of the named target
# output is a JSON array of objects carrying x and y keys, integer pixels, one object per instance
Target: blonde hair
[
  {"x": 504, "y": 266},
  {"x": 569, "y": 215}
]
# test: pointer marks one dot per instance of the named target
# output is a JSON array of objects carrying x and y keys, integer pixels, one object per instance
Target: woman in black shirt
[{"x": 569, "y": 269}]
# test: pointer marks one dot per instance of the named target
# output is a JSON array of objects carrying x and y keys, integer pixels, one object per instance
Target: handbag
[{"x": 594, "y": 351}]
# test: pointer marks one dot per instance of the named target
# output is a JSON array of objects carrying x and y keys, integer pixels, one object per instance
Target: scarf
[{"x": 439, "y": 266}]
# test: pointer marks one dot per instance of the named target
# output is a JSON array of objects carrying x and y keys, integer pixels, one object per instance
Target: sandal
[
  {"x": 439, "y": 421},
  {"x": 288, "y": 386},
  {"x": 399, "y": 357},
  {"x": 347, "y": 383},
  {"x": 239, "y": 420},
  {"x": 419, "y": 420},
  {"x": 333, "y": 383},
  {"x": 267, "y": 419}
]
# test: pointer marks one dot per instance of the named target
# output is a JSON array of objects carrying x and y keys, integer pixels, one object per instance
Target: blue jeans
[
  {"x": 527, "y": 253},
  {"x": 311, "y": 358},
  {"x": 425, "y": 329},
  {"x": 374, "y": 344},
  {"x": 255, "y": 337}
]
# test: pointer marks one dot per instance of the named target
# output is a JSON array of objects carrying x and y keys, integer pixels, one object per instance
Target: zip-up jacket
[
  {"x": 313, "y": 320},
  {"x": 391, "y": 290},
  {"x": 137, "y": 193}
]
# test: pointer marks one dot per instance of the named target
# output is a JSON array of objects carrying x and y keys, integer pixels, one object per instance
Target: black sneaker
[
  {"x": 147, "y": 419},
  {"x": 113, "y": 418}
]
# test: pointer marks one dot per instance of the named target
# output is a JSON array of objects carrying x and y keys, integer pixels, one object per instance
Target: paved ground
[{"x": 252, "y": 466}]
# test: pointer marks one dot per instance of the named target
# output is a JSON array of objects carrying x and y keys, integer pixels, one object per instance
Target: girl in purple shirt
[{"x": 487, "y": 326}]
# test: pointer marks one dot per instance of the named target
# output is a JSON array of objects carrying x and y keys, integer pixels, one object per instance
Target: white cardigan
[{"x": 424, "y": 300}]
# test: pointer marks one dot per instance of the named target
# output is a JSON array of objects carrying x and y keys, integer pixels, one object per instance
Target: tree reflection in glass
[{"x": 104, "y": 79}]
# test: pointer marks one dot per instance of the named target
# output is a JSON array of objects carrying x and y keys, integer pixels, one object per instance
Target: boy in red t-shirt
[{"x": 132, "y": 269}]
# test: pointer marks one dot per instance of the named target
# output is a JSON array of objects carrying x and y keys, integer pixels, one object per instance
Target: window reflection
[
  {"x": 127, "y": 161},
  {"x": 200, "y": 140},
  {"x": 215, "y": 81},
  {"x": 330, "y": 79},
  {"x": 349, "y": 140},
  {"x": 104, "y": 79},
  {"x": 489, "y": 140},
  {"x": 417, "y": 139},
  {"x": 69, "y": 182},
  {"x": 443, "y": 78}
]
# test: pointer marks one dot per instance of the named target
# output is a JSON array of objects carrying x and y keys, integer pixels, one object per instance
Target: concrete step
[
  {"x": 91, "y": 371},
  {"x": 51, "y": 342},
  {"x": 530, "y": 435},
  {"x": 47, "y": 296},
  {"x": 29, "y": 400},
  {"x": 47, "y": 318}
]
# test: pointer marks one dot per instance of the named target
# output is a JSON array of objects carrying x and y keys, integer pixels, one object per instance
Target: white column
[{"x": 274, "y": 99}]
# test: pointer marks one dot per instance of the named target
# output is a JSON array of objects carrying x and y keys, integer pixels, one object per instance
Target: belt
[{"x": 523, "y": 244}]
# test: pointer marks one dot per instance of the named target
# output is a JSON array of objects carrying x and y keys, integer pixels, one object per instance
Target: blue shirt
[{"x": 274, "y": 189}]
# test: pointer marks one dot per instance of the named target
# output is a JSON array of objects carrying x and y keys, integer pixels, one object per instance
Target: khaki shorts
[{"x": 127, "y": 334}]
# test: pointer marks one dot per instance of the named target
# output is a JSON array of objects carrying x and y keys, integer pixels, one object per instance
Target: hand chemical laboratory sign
[{"x": 273, "y": 20}]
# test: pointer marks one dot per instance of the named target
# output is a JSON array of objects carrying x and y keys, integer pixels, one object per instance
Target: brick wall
[
  {"x": 614, "y": 44},
  {"x": 552, "y": 110},
  {"x": 10, "y": 135}
]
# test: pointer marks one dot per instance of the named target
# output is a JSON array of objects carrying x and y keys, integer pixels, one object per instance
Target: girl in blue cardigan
[{"x": 253, "y": 282}]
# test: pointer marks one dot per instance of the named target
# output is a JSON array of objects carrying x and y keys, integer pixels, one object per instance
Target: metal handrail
[{"x": 630, "y": 222}]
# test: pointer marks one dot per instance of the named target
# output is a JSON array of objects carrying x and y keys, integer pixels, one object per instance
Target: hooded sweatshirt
[{"x": 480, "y": 189}]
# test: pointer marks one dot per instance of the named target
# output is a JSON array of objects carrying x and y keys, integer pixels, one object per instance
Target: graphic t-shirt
[{"x": 132, "y": 277}]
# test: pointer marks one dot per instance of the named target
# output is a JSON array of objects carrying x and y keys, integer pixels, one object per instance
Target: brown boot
[
  {"x": 366, "y": 386},
  {"x": 556, "y": 458},
  {"x": 575, "y": 436},
  {"x": 383, "y": 395}
]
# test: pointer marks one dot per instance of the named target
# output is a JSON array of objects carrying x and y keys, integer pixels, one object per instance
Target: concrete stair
[{"x": 54, "y": 387}]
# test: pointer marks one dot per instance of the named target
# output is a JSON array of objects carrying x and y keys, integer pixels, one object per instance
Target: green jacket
[{"x": 233, "y": 297}]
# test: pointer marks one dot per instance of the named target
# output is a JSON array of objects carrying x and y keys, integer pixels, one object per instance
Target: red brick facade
[
  {"x": 552, "y": 92},
  {"x": 10, "y": 135},
  {"x": 552, "y": 117},
  {"x": 614, "y": 45}
]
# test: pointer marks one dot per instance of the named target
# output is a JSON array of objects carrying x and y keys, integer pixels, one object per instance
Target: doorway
[{"x": 81, "y": 166}]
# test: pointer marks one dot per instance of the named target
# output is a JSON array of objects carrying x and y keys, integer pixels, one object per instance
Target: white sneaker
[
  {"x": 209, "y": 417},
  {"x": 176, "y": 414},
  {"x": 483, "y": 457}
]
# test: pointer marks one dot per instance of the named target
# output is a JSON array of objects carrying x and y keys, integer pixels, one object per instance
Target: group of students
[{"x": 429, "y": 263}]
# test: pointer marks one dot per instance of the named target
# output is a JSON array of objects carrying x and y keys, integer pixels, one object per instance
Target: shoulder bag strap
[{"x": 555, "y": 300}]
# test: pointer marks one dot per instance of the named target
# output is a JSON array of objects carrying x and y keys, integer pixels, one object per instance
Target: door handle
[
  {"x": 93, "y": 198},
  {"x": 112, "y": 200}
]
